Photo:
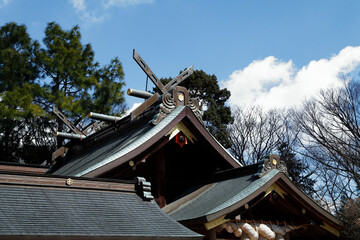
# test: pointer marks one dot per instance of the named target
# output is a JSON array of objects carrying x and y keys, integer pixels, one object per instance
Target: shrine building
[{"x": 155, "y": 174}]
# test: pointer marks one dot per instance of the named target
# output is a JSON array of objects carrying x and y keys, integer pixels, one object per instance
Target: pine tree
[
  {"x": 18, "y": 74},
  {"x": 33, "y": 79}
]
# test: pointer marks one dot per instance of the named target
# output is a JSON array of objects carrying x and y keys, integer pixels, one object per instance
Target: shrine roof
[
  {"x": 227, "y": 191},
  {"x": 115, "y": 148},
  {"x": 46, "y": 208},
  {"x": 130, "y": 141},
  {"x": 211, "y": 198}
]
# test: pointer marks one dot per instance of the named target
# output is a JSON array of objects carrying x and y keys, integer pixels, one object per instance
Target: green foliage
[
  {"x": 33, "y": 79},
  {"x": 17, "y": 90},
  {"x": 108, "y": 93},
  {"x": 17, "y": 72},
  {"x": 18, "y": 103},
  {"x": 15, "y": 57},
  {"x": 74, "y": 75},
  {"x": 216, "y": 114}
]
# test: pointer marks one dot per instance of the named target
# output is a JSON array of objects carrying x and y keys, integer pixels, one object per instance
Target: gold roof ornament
[{"x": 271, "y": 162}]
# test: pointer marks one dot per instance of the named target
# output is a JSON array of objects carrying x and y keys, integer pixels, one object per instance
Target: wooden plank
[
  {"x": 148, "y": 71},
  {"x": 76, "y": 183},
  {"x": 148, "y": 103},
  {"x": 59, "y": 152},
  {"x": 331, "y": 229},
  {"x": 181, "y": 77},
  {"x": 22, "y": 169},
  {"x": 66, "y": 121}
]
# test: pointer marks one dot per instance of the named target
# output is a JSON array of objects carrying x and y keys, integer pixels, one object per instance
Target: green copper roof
[
  {"x": 252, "y": 187},
  {"x": 217, "y": 196},
  {"x": 115, "y": 148}
]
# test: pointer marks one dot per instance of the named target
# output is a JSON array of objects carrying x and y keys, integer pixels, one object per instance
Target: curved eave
[
  {"x": 308, "y": 202},
  {"x": 85, "y": 237},
  {"x": 287, "y": 185},
  {"x": 153, "y": 136}
]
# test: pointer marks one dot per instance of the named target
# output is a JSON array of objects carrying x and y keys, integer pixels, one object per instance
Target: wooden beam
[
  {"x": 59, "y": 152},
  {"x": 148, "y": 103},
  {"x": 148, "y": 71},
  {"x": 212, "y": 234},
  {"x": 180, "y": 127},
  {"x": 161, "y": 178},
  {"x": 181, "y": 77},
  {"x": 331, "y": 229},
  {"x": 276, "y": 188},
  {"x": 66, "y": 121},
  {"x": 216, "y": 222}
]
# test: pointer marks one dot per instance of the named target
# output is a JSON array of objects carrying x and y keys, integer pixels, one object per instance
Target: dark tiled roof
[
  {"x": 41, "y": 212},
  {"x": 214, "y": 197}
]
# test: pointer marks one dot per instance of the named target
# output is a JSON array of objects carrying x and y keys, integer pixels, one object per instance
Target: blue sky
[{"x": 272, "y": 53}]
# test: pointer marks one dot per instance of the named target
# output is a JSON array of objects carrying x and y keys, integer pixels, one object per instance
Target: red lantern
[{"x": 181, "y": 139}]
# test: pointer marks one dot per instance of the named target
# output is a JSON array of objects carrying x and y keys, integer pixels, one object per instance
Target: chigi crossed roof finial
[{"x": 169, "y": 96}]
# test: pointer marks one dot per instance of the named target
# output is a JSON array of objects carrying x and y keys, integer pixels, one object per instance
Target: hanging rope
[
  {"x": 147, "y": 79},
  {"x": 258, "y": 230},
  {"x": 146, "y": 85}
]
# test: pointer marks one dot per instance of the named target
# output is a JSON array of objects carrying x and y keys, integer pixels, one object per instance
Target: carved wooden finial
[{"x": 271, "y": 162}]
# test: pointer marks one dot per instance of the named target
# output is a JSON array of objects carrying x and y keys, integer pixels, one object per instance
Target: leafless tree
[
  {"x": 256, "y": 133},
  {"x": 331, "y": 139},
  {"x": 240, "y": 131},
  {"x": 350, "y": 215}
]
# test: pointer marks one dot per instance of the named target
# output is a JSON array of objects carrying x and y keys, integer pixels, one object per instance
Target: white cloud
[
  {"x": 79, "y": 5},
  {"x": 274, "y": 83},
  {"x": 86, "y": 15},
  {"x": 91, "y": 11},
  {"x": 134, "y": 106},
  {"x": 125, "y": 3},
  {"x": 92, "y": 17},
  {"x": 4, "y": 2}
]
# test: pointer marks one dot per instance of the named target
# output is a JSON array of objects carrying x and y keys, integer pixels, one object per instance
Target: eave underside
[{"x": 275, "y": 200}]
